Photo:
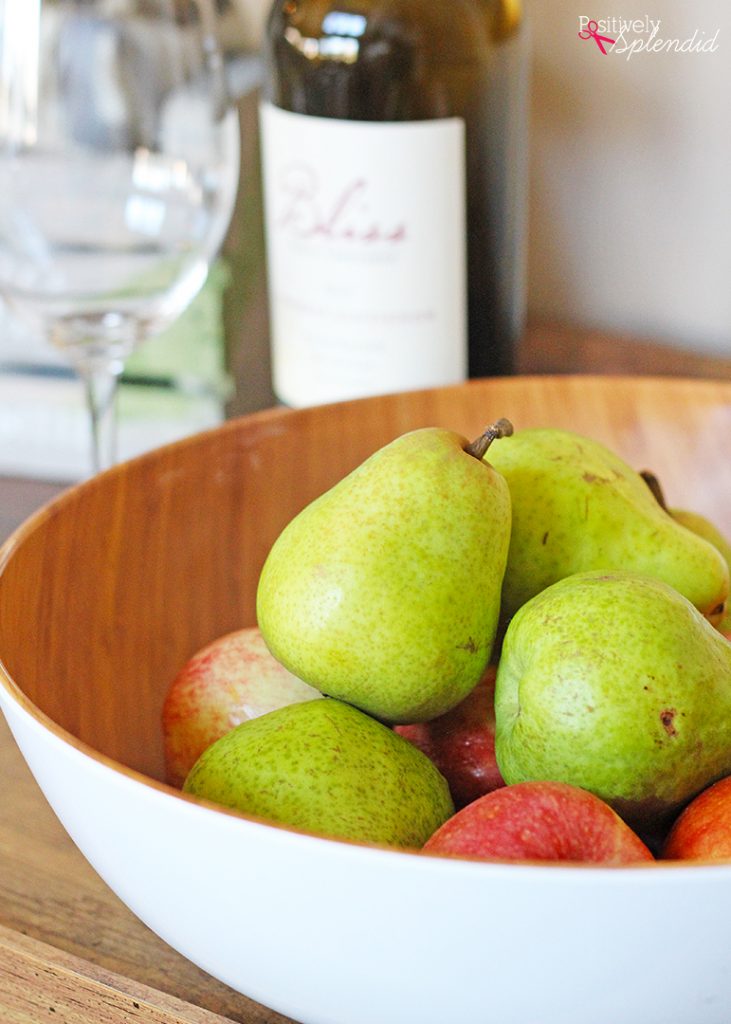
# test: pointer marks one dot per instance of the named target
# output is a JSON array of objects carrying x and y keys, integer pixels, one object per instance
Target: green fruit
[
  {"x": 578, "y": 507},
  {"x": 614, "y": 682},
  {"x": 704, "y": 528},
  {"x": 385, "y": 591},
  {"x": 325, "y": 767}
]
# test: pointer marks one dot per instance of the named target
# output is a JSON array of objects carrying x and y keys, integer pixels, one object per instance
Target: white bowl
[{"x": 104, "y": 594}]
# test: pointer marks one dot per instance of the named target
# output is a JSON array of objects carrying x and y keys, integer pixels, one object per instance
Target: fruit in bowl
[
  {"x": 703, "y": 830},
  {"x": 326, "y": 767},
  {"x": 108, "y": 592},
  {"x": 539, "y": 821},
  {"x": 614, "y": 682},
  {"x": 386, "y": 589},
  {"x": 231, "y": 680},
  {"x": 385, "y": 592},
  {"x": 578, "y": 506},
  {"x": 461, "y": 743}
]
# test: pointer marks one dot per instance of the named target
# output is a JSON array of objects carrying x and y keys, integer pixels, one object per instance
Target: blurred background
[
  {"x": 630, "y": 212},
  {"x": 629, "y": 229},
  {"x": 630, "y": 203},
  {"x": 630, "y": 163}
]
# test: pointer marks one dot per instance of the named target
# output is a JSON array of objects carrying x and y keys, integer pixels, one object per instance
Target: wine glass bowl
[{"x": 118, "y": 172}]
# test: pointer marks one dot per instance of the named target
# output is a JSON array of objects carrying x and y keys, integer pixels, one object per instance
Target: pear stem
[
  {"x": 501, "y": 428},
  {"x": 654, "y": 484}
]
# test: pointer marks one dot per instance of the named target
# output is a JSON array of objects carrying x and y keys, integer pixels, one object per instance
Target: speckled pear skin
[
  {"x": 614, "y": 682},
  {"x": 385, "y": 591},
  {"x": 709, "y": 531},
  {"x": 334, "y": 771},
  {"x": 578, "y": 507}
]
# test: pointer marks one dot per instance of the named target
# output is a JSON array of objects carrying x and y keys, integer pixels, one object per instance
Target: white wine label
[{"x": 366, "y": 251}]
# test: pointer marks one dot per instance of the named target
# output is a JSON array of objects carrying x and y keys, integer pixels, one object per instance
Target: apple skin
[
  {"x": 703, "y": 829},
  {"x": 539, "y": 821},
  {"x": 461, "y": 743},
  {"x": 232, "y": 679}
]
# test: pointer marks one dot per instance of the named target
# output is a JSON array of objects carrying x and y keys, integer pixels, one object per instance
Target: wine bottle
[{"x": 393, "y": 152}]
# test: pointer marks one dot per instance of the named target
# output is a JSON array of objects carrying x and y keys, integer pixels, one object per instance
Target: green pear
[
  {"x": 614, "y": 682},
  {"x": 577, "y": 507},
  {"x": 705, "y": 528},
  {"x": 385, "y": 591},
  {"x": 323, "y": 766}
]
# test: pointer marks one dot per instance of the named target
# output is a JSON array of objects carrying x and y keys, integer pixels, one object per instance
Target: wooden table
[{"x": 70, "y": 951}]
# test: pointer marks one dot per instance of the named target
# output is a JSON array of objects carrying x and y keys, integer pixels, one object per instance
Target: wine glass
[{"x": 119, "y": 165}]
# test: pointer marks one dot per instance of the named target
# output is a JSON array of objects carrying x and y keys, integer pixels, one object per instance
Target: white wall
[{"x": 630, "y": 216}]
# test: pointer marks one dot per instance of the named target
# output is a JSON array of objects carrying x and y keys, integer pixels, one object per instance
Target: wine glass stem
[{"x": 101, "y": 384}]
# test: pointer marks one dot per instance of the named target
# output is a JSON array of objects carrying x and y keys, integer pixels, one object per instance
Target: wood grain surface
[
  {"x": 49, "y": 894},
  {"x": 69, "y": 949},
  {"x": 38, "y": 981}
]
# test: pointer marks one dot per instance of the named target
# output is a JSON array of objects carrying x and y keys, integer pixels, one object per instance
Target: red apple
[
  {"x": 542, "y": 821},
  {"x": 461, "y": 743},
  {"x": 230, "y": 680},
  {"x": 703, "y": 830}
]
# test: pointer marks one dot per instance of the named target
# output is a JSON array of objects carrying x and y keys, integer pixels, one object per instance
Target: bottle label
[{"x": 366, "y": 249}]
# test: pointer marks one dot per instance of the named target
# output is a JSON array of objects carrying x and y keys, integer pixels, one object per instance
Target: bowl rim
[{"x": 56, "y": 504}]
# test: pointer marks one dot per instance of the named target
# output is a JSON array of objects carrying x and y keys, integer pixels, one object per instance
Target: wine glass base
[{"x": 94, "y": 339}]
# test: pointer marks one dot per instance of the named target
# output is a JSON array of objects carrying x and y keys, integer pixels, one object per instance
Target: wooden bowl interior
[{"x": 106, "y": 592}]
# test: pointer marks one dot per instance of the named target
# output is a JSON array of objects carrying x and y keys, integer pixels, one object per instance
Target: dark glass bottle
[{"x": 348, "y": 63}]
